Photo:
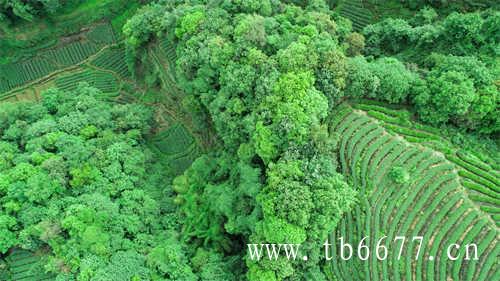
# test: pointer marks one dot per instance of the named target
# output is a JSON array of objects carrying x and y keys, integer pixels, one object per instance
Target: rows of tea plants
[
  {"x": 46, "y": 61},
  {"x": 24, "y": 265},
  {"x": 479, "y": 176},
  {"x": 102, "y": 34},
  {"x": 168, "y": 49},
  {"x": 113, "y": 59},
  {"x": 430, "y": 202},
  {"x": 359, "y": 15},
  {"x": 17, "y": 74},
  {"x": 183, "y": 161},
  {"x": 166, "y": 69},
  {"x": 162, "y": 62},
  {"x": 171, "y": 95},
  {"x": 103, "y": 81},
  {"x": 126, "y": 97},
  {"x": 174, "y": 140},
  {"x": 72, "y": 53},
  {"x": 177, "y": 145}
]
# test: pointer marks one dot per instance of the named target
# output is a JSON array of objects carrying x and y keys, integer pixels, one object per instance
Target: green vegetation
[
  {"x": 457, "y": 55},
  {"x": 355, "y": 11},
  {"x": 154, "y": 140},
  {"x": 79, "y": 185},
  {"x": 20, "y": 39},
  {"x": 177, "y": 146},
  {"x": 103, "y": 81},
  {"x": 26, "y": 266},
  {"x": 47, "y": 61},
  {"x": 113, "y": 59},
  {"x": 409, "y": 194},
  {"x": 27, "y": 10},
  {"x": 252, "y": 206}
]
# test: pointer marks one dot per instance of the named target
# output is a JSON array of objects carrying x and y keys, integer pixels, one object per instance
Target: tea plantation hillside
[
  {"x": 92, "y": 56},
  {"x": 96, "y": 56},
  {"x": 409, "y": 188},
  {"x": 477, "y": 164},
  {"x": 249, "y": 140}
]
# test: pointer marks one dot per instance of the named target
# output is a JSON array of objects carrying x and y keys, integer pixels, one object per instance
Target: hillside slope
[{"x": 431, "y": 200}]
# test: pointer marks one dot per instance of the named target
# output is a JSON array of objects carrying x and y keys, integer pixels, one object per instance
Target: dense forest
[{"x": 156, "y": 140}]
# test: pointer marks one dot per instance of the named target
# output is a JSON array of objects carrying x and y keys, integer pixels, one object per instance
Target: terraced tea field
[
  {"x": 103, "y": 81},
  {"x": 24, "y": 265},
  {"x": 74, "y": 50},
  {"x": 448, "y": 198},
  {"x": 355, "y": 11},
  {"x": 178, "y": 147},
  {"x": 479, "y": 172},
  {"x": 112, "y": 59},
  {"x": 93, "y": 56},
  {"x": 162, "y": 59}
]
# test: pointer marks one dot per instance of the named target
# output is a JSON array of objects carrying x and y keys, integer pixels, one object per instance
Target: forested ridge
[{"x": 162, "y": 137}]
